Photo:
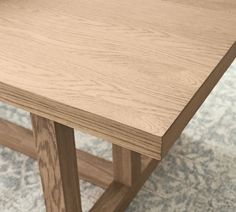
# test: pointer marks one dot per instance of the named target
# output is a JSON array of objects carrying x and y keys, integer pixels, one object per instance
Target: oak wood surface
[
  {"x": 90, "y": 168},
  {"x": 126, "y": 165},
  {"x": 57, "y": 164},
  {"x": 129, "y": 71}
]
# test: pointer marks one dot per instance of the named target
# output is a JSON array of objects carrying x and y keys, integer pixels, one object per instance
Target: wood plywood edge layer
[{"x": 114, "y": 132}]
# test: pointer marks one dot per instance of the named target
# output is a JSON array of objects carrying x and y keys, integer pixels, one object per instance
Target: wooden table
[{"x": 131, "y": 72}]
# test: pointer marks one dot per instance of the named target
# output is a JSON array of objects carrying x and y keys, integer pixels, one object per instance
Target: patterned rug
[{"x": 198, "y": 174}]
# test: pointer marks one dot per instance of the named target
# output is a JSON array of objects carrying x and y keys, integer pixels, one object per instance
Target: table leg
[
  {"x": 57, "y": 163},
  {"x": 126, "y": 165},
  {"x": 128, "y": 179}
]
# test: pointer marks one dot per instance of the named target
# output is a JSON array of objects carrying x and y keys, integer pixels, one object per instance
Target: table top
[{"x": 132, "y": 71}]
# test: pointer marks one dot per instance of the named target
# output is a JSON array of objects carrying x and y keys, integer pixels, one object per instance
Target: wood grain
[
  {"x": 58, "y": 166},
  {"x": 125, "y": 71},
  {"x": 90, "y": 168},
  {"x": 118, "y": 196},
  {"x": 94, "y": 169},
  {"x": 17, "y": 138},
  {"x": 126, "y": 165},
  {"x": 179, "y": 124}
]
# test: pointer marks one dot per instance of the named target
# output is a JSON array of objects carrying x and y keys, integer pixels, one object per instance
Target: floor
[{"x": 198, "y": 174}]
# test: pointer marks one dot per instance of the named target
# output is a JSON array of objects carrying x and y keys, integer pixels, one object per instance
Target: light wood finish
[
  {"x": 118, "y": 196},
  {"x": 94, "y": 169},
  {"x": 90, "y": 168},
  {"x": 126, "y": 165},
  {"x": 185, "y": 116},
  {"x": 17, "y": 138},
  {"x": 57, "y": 164},
  {"x": 127, "y": 71}
]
